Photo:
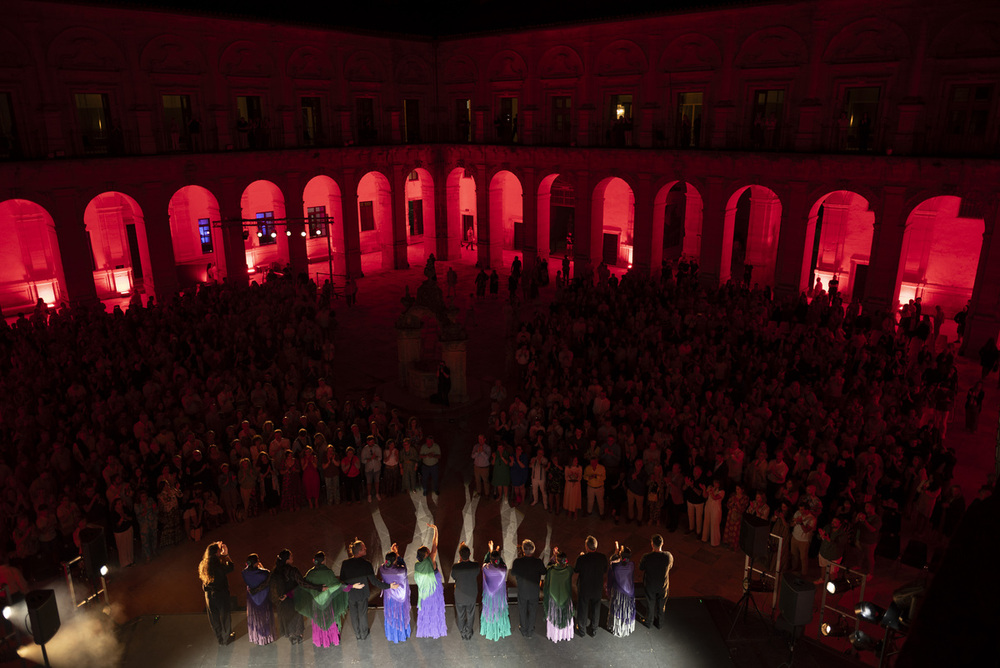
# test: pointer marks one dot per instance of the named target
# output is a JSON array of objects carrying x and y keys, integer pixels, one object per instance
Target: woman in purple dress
[
  {"x": 495, "y": 620},
  {"x": 621, "y": 592},
  {"x": 260, "y": 616},
  {"x": 397, "y": 601},
  {"x": 430, "y": 593}
]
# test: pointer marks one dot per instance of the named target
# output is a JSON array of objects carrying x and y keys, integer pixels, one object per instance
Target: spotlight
[
  {"x": 863, "y": 642},
  {"x": 835, "y": 631},
  {"x": 288, "y": 233},
  {"x": 842, "y": 584},
  {"x": 894, "y": 618},
  {"x": 104, "y": 570},
  {"x": 303, "y": 233},
  {"x": 274, "y": 235},
  {"x": 260, "y": 234},
  {"x": 7, "y": 612},
  {"x": 869, "y": 611}
]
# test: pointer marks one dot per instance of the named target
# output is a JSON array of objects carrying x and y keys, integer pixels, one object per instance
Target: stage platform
[{"x": 689, "y": 638}]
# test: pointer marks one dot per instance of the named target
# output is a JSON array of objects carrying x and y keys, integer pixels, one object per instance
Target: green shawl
[
  {"x": 323, "y": 607},
  {"x": 426, "y": 578},
  {"x": 558, "y": 592}
]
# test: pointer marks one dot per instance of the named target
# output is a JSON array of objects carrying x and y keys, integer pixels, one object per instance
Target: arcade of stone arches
[{"x": 939, "y": 259}]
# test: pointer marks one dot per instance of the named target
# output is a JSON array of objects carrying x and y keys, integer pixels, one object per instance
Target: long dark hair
[
  {"x": 283, "y": 558},
  {"x": 211, "y": 555}
]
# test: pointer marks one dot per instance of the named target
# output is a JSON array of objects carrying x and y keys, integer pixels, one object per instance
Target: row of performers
[{"x": 285, "y": 596}]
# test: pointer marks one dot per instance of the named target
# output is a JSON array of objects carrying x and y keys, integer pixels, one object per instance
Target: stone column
[
  {"x": 716, "y": 235},
  {"x": 795, "y": 242},
  {"x": 408, "y": 348},
  {"x": 351, "y": 249},
  {"x": 984, "y": 312},
  {"x": 74, "y": 247},
  {"x": 489, "y": 251},
  {"x": 646, "y": 253},
  {"x": 453, "y": 353},
  {"x": 583, "y": 116},
  {"x": 882, "y": 289},
  {"x": 397, "y": 196},
  {"x": 156, "y": 248},
  {"x": 583, "y": 235},
  {"x": 529, "y": 216}
]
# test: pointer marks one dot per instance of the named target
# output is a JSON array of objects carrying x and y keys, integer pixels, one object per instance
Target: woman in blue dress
[{"x": 396, "y": 601}]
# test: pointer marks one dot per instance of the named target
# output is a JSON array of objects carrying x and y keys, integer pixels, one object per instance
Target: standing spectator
[
  {"x": 834, "y": 538},
  {"x": 519, "y": 472},
  {"x": 572, "y": 500},
  {"x": 481, "y": 453},
  {"x": 391, "y": 468},
  {"x": 974, "y": 406},
  {"x": 636, "y": 489},
  {"x": 331, "y": 474},
  {"x": 147, "y": 515},
  {"x": 869, "y": 526},
  {"x": 501, "y": 472},
  {"x": 310, "y": 477},
  {"x": 409, "y": 461},
  {"x": 713, "y": 514},
  {"x": 695, "y": 491},
  {"x": 803, "y": 526},
  {"x": 735, "y": 508},
  {"x": 594, "y": 475},
  {"x": 124, "y": 536},
  {"x": 371, "y": 459},
  {"x": 675, "y": 498},
  {"x": 350, "y": 465},
  {"x": 430, "y": 456}
]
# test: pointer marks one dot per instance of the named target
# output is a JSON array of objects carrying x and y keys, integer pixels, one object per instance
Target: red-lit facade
[{"x": 808, "y": 140}]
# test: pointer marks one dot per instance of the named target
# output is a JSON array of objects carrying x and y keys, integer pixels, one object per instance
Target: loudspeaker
[
  {"x": 754, "y": 534},
  {"x": 95, "y": 551},
  {"x": 795, "y": 599},
  {"x": 43, "y": 614}
]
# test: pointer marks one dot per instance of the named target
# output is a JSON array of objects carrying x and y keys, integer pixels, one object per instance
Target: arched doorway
[
  {"x": 30, "y": 264},
  {"x": 753, "y": 224},
  {"x": 375, "y": 222},
  {"x": 460, "y": 203},
  {"x": 612, "y": 222},
  {"x": 119, "y": 251},
  {"x": 678, "y": 209},
  {"x": 840, "y": 228},
  {"x": 556, "y": 216},
  {"x": 194, "y": 213},
  {"x": 940, "y": 257},
  {"x": 322, "y": 207},
  {"x": 266, "y": 244},
  {"x": 420, "y": 223},
  {"x": 506, "y": 216}
]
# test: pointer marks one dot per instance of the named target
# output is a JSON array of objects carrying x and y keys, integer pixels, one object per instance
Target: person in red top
[{"x": 351, "y": 466}]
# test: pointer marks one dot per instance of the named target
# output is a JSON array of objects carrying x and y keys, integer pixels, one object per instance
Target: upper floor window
[
  {"x": 93, "y": 113},
  {"x": 205, "y": 235},
  {"x": 252, "y": 130},
  {"x": 463, "y": 120},
  {"x": 506, "y": 121},
  {"x": 312, "y": 121},
  {"x": 766, "y": 117},
  {"x": 266, "y": 233},
  {"x": 177, "y": 122},
  {"x": 620, "y": 119},
  {"x": 689, "y": 119},
  {"x": 411, "y": 121},
  {"x": 561, "y": 119},
  {"x": 861, "y": 110},
  {"x": 969, "y": 109},
  {"x": 367, "y": 131},
  {"x": 10, "y": 146}
]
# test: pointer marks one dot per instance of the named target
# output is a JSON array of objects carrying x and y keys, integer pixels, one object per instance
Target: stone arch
[
  {"x": 30, "y": 260},
  {"x": 939, "y": 260},
  {"x": 750, "y": 237},
  {"x": 375, "y": 221},
  {"x": 308, "y": 62},
  {"x": 244, "y": 58},
  {"x": 560, "y": 62},
  {"x": 85, "y": 49},
  {"x": 462, "y": 210},
  {"x": 869, "y": 40},
  {"x": 114, "y": 246},
  {"x": 13, "y": 53},
  {"x": 364, "y": 66},
  {"x": 421, "y": 230},
  {"x": 460, "y": 69},
  {"x": 691, "y": 52},
  {"x": 171, "y": 54},
  {"x": 412, "y": 70},
  {"x": 506, "y": 202},
  {"x": 621, "y": 57},
  {"x": 323, "y": 209},
  {"x": 839, "y": 234},
  {"x": 507, "y": 65},
  {"x": 556, "y": 204},
  {"x": 612, "y": 222},
  {"x": 776, "y": 46},
  {"x": 189, "y": 209},
  {"x": 974, "y": 35},
  {"x": 261, "y": 204},
  {"x": 678, "y": 211}
]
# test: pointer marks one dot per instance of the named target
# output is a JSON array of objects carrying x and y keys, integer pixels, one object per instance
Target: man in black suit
[
  {"x": 591, "y": 567},
  {"x": 528, "y": 571},
  {"x": 655, "y": 567},
  {"x": 354, "y": 570},
  {"x": 466, "y": 576}
]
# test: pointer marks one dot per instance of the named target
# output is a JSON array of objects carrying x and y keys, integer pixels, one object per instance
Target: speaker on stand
[
  {"x": 795, "y": 608},
  {"x": 754, "y": 535},
  {"x": 43, "y": 617}
]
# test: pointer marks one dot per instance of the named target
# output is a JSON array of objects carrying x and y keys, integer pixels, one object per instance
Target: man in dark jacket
[
  {"x": 466, "y": 576},
  {"x": 354, "y": 570},
  {"x": 655, "y": 567},
  {"x": 591, "y": 566},
  {"x": 528, "y": 571}
]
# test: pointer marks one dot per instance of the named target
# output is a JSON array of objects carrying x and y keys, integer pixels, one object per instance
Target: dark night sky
[{"x": 430, "y": 18}]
